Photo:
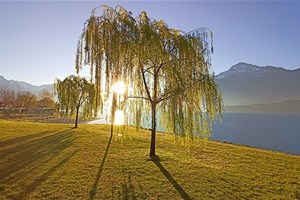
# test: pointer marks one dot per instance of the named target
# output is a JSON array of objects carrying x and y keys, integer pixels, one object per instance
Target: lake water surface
[{"x": 273, "y": 131}]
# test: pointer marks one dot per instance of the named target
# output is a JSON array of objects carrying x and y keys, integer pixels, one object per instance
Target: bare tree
[{"x": 7, "y": 98}]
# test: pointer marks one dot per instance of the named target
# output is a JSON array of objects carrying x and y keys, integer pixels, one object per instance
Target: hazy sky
[{"x": 38, "y": 39}]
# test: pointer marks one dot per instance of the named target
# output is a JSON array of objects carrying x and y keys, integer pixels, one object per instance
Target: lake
[{"x": 273, "y": 131}]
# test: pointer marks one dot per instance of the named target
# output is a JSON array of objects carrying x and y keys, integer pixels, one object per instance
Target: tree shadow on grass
[
  {"x": 96, "y": 183},
  {"x": 176, "y": 185},
  {"x": 21, "y": 138},
  {"x": 33, "y": 141},
  {"x": 44, "y": 176},
  {"x": 128, "y": 191},
  {"x": 20, "y": 159}
]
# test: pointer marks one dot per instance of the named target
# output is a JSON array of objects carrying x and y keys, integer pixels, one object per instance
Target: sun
[
  {"x": 119, "y": 87},
  {"x": 119, "y": 117}
]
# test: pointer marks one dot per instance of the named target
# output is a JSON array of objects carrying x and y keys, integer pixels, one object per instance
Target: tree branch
[
  {"x": 159, "y": 67},
  {"x": 147, "y": 69},
  {"x": 145, "y": 82},
  {"x": 175, "y": 92},
  {"x": 136, "y": 97},
  {"x": 83, "y": 100}
]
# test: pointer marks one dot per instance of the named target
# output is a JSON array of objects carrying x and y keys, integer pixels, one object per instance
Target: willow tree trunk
[
  {"x": 76, "y": 119},
  {"x": 113, "y": 110},
  {"x": 153, "y": 113},
  {"x": 153, "y": 130}
]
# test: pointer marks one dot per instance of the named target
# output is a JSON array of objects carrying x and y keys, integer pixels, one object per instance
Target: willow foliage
[
  {"x": 163, "y": 68},
  {"x": 75, "y": 92}
]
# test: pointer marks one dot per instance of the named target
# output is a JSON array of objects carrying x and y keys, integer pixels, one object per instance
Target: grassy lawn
[{"x": 51, "y": 161}]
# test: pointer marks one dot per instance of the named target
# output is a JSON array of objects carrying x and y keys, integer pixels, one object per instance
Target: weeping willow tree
[
  {"x": 166, "y": 71},
  {"x": 75, "y": 92}
]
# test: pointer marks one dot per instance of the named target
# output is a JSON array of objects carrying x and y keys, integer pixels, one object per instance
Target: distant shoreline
[{"x": 289, "y": 106}]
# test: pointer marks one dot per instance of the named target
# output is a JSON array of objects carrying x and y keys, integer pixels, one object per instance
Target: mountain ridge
[
  {"x": 22, "y": 86},
  {"x": 241, "y": 84},
  {"x": 247, "y": 84},
  {"x": 243, "y": 68}
]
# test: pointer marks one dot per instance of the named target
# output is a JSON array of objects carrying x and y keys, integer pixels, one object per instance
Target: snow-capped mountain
[
  {"x": 245, "y": 84},
  {"x": 20, "y": 86},
  {"x": 245, "y": 69}
]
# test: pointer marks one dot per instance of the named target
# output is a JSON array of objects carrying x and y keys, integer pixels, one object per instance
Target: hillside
[
  {"x": 49, "y": 161},
  {"x": 242, "y": 84},
  {"x": 20, "y": 86},
  {"x": 245, "y": 84}
]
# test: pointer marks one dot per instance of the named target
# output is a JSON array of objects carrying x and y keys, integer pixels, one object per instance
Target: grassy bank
[{"x": 54, "y": 161}]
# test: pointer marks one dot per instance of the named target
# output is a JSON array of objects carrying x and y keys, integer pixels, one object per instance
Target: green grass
[{"x": 51, "y": 161}]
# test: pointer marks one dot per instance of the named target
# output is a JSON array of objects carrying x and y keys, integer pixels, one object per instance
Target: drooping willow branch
[{"x": 160, "y": 64}]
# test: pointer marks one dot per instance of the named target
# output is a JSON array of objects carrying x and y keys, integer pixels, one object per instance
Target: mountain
[
  {"x": 246, "y": 84},
  {"x": 242, "y": 84},
  {"x": 20, "y": 86}
]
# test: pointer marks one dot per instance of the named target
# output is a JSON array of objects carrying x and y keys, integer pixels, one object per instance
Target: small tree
[
  {"x": 26, "y": 100},
  {"x": 45, "y": 94},
  {"x": 7, "y": 99},
  {"x": 168, "y": 70},
  {"x": 46, "y": 102},
  {"x": 73, "y": 92}
]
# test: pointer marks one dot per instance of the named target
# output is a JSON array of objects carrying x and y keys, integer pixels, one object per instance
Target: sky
[{"x": 38, "y": 38}]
